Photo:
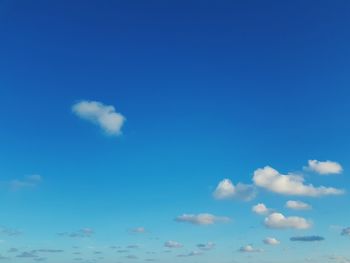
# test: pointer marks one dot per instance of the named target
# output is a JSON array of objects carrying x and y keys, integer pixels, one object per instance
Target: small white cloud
[
  {"x": 298, "y": 205},
  {"x": 227, "y": 190},
  {"x": 271, "y": 241},
  {"x": 261, "y": 209},
  {"x": 173, "y": 244},
  {"x": 104, "y": 116},
  {"x": 279, "y": 221},
  {"x": 249, "y": 249},
  {"x": 290, "y": 184},
  {"x": 326, "y": 167},
  {"x": 202, "y": 219}
]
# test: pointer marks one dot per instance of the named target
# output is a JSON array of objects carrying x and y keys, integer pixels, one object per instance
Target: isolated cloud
[
  {"x": 227, "y": 190},
  {"x": 326, "y": 167},
  {"x": 27, "y": 182},
  {"x": 345, "y": 231},
  {"x": 173, "y": 244},
  {"x": 202, "y": 219},
  {"x": 307, "y": 238},
  {"x": 290, "y": 184},
  {"x": 102, "y": 115},
  {"x": 249, "y": 249},
  {"x": 297, "y": 205},
  {"x": 206, "y": 246},
  {"x": 261, "y": 209},
  {"x": 191, "y": 254},
  {"x": 271, "y": 241},
  {"x": 278, "y": 220},
  {"x": 139, "y": 230}
]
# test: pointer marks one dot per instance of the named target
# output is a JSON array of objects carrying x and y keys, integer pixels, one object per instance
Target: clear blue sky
[{"x": 119, "y": 119}]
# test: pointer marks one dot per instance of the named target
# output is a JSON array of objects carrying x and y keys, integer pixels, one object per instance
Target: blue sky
[{"x": 172, "y": 131}]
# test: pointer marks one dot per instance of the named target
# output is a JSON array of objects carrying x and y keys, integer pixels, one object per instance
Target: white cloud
[
  {"x": 227, "y": 190},
  {"x": 279, "y": 221},
  {"x": 104, "y": 116},
  {"x": 290, "y": 184},
  {"x": 139, "y": 230},
  {"x": 261, "y": 209},
  {"x": 27, "y": 182},
  {"x": 271, "y": 241},
  {"x": 297, "y": 205},
  {"x": 249, "y": 249},
  {"x": 202, "y": 219},
  {"x": 173, "y": 244},
  {"x": 326, "y": 167}
]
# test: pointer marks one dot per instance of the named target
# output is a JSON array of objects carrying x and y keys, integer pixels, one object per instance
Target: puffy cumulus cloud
[
  {"x": 206, "y": 246},
  {"x": 297, "y": 205},
  {"x": 289, "y": 184},
  {"x": 324, "y": 168},
  {"x": 27, "y": 182},
  {"x": 278, "y": 220},
  {"x": 307, "y": 238},
  {"x": 173, "y": 244},
  {"x": 261, "y": 209},
  {"x": 345, "y": 231},
  {"x": 227, "y": 190},
  {"x": 271, "y": 241},
  {"x": 202, "y": 219},
  {"x": 100, "y": 114},
  {"x": 249, "y": 249}
]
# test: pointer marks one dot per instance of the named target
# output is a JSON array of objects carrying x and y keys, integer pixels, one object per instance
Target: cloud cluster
[
  {"x": 289, "y": 184},
  {"x": 227, "y": 190},
  {"x": 297, "y": 205},
  {"x": 100, "y": 114},
  {"x": 279, "y": 221},
  {"x": 324, "y": 168},
  {"x": 202, "y": 219}
]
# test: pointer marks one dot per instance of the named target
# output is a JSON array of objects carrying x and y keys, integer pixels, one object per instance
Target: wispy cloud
[
  {"x": 173, "y": 244},
  {"x": 28, "y": 181},
  {"x": 307, "y": 238},
  {"x": 297, "y": 205},
  {"x": 202, "y": 219},
  {"x": 100, "y": 114},
  {"x": 84, "y": 232}
]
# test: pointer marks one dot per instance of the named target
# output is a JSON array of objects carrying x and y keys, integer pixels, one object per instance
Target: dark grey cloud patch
[
  {"x": 307, "y": 238},
  {"x": 345, "y": 231}
]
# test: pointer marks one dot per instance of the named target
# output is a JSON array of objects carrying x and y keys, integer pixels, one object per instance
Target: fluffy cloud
[
  {"x": 290, "y": 184},
  {"x": 249, "y": 249},
  {"x": 102, "y": 115},
  {"x": 345, "y": 231},
  {"x": 227, "y": 190},
  {"x": 297, "y": 205},
  {"x": 27, "y": 182},
  {"x": 326, "y": 167},
  {"x": 261, "y": 209},
  {"x": 206, "y": 246},
  {"x": 271, "y": 241},
  {"x": 307, "y": 238},
  {"x": 202, "y": 219},
  {"x": 173, "y": 244},
  {"x": 278, "y": 220}
]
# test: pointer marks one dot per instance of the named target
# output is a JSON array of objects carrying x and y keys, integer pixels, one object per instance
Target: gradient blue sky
[{"x": 209, "y": 89}]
